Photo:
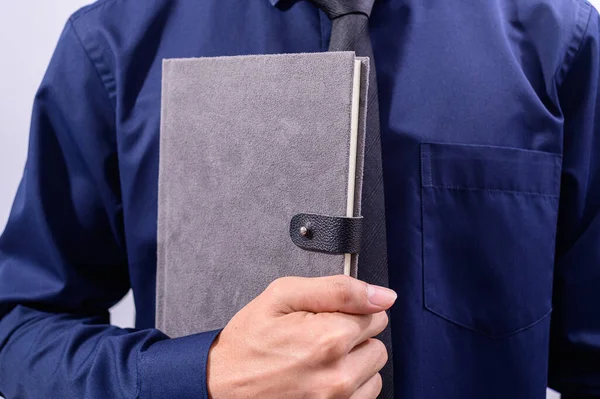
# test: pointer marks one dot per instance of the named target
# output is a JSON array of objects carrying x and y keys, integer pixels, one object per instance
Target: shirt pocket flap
[{"x": 475, "y": 167}]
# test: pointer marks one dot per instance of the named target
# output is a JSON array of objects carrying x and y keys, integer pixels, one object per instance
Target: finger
[
  {"x": 365, "y": 360},
  {"x": 328, "y": 294},
  {"x": 375, "y": 326},
  {"x": 351, "y": 330},
  {"x": 370, "y": 389}
]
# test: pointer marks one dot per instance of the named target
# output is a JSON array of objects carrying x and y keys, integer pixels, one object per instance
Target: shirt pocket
[{"x": 489, "y": 223}]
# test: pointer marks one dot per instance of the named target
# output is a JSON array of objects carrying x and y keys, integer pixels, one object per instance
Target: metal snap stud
[{"x": 304, "y": 231}]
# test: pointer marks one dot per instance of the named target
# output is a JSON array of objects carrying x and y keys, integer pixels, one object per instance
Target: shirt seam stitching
[
  {"x": 94, "y": 63},
  {"x": 429, "y": 156},
  {"x": 116, "y": 202},
  {"x": 574, "y": 50},
  {"x": 496, "y": 190}
]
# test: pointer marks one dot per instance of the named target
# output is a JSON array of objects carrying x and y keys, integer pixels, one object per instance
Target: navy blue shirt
[{"x": 490, "y": 121}]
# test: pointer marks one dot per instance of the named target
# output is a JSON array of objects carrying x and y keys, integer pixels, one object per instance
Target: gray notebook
[{"x": 246, "y": 143}]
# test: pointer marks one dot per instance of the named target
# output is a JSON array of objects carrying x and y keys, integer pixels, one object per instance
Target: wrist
[{"x": 213, "y": 375}]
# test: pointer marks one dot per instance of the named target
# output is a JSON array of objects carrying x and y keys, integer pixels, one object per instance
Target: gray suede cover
[{"x": 246, "y": 143}]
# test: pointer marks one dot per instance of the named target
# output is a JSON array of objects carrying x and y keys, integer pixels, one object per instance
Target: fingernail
[{"x": 380, "y": 296}]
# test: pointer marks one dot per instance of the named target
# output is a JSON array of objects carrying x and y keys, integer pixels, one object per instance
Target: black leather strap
[{"x": 329, "y": 234}]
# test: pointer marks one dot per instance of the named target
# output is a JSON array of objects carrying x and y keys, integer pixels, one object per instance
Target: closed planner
[{"x": 260, "y": 177}]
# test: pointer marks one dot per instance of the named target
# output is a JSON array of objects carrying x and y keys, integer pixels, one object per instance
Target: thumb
[{"x": 328, "y": 294}]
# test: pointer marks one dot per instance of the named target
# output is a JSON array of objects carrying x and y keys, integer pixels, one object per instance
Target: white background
[{"x": 29, "y": 30}]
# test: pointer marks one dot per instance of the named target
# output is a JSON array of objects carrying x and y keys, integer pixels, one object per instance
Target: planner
[{"x": 260, "y": 177}]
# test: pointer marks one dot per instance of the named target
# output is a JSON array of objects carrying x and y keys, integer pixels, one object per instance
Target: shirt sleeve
[
  {"x": 575, "y": 334},
  {"x": 63, "y": 259}
]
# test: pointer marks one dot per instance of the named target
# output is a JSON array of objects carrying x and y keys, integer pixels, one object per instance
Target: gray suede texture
[{"x": 246, "y": 143}]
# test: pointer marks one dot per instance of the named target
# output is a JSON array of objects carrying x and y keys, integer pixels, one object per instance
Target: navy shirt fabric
[{"x": 490, "y": 121}]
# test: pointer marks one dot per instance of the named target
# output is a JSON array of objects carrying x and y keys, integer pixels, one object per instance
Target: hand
[{"x": 303, "y": 338}]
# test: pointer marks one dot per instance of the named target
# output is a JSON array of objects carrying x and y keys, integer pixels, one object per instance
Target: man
[{"x": 490, "y": 135}]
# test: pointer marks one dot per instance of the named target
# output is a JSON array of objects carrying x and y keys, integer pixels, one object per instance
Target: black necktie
[{"x": 350, "y": 32}]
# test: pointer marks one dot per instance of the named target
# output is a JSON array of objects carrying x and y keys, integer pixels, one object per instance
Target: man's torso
[{"x": 471, "y": 134}]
